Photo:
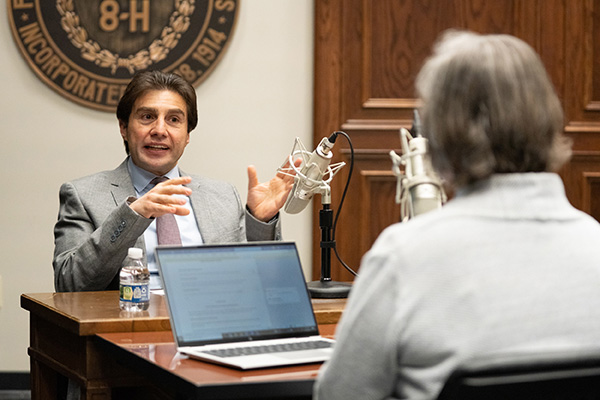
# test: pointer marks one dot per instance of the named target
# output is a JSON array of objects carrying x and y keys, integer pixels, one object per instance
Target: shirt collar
[{"x": 141, "y": 178}]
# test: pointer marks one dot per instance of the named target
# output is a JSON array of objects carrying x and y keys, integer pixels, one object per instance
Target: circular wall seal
[{"x": 88, "y": 50}]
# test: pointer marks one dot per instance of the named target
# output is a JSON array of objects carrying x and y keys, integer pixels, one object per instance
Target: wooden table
[
  {"x": 175, "y": 376},
  {"x": 64, "y": 341}
]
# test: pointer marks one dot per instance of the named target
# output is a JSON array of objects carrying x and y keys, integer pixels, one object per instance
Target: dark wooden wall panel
[{"x": 367, "y": 55}]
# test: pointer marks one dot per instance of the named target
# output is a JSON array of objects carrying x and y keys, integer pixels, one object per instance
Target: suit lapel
[
  {"x": 120, "y": 184},
  {"x": 198, "y": 201}
]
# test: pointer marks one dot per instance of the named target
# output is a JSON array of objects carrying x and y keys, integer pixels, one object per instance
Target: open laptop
[{"x": 244, "y": 305}]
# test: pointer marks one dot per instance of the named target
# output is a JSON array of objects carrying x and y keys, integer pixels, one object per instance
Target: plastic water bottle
[{"x": 134, "y": 282}]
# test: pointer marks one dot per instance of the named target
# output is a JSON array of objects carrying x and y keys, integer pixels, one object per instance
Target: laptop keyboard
[{"x": 266, "y": 349}]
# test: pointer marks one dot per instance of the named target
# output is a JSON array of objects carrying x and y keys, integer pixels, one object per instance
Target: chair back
[{"x": 547, "y": 376}]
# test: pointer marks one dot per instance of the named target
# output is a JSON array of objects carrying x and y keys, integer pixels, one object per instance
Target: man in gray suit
[{"x": 104, "y": 214}]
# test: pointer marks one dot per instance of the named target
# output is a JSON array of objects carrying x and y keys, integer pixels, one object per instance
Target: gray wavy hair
[{"x": 489, "y": 107}]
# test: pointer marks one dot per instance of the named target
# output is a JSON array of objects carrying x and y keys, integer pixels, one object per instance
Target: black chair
[{"x": 544, "y": 376}]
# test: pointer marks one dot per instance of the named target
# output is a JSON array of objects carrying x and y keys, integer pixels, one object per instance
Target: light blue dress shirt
[{"x": 188, "y": 227}]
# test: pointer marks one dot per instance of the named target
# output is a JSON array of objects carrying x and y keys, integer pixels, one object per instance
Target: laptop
[{"x": 243, "y": 305}]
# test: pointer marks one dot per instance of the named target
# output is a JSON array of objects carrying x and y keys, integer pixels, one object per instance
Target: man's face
[{"x": 157, "y": 131}]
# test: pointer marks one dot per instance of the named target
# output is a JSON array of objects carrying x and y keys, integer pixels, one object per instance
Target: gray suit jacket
[{"x": 95, "y": 226}]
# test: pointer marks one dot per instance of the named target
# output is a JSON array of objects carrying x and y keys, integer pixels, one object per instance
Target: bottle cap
[{"x": 135, "y": 252}]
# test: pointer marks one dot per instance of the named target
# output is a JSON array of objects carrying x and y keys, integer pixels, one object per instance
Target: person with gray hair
[
  {"x": 508, "y": 264},
  {"x": 489, "y": 107}
]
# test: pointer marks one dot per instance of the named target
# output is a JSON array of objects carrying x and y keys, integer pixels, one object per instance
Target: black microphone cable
[{"x": 332, "y": 139}]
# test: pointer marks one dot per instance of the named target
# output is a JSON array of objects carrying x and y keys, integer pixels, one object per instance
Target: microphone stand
[{"x": 325, "y": 287}]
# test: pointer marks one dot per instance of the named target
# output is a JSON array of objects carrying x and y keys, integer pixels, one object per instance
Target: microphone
[
  {"x": 309, "y": 176},
  {"x": 419, "y": 189}
]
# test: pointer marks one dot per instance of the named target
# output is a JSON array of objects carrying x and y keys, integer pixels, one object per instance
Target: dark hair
[
  {"x": 145, "y": 81},
  {"x": 489, "y": 107}
]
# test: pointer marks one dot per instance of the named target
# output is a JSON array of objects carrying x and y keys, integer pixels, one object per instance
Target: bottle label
[{"x": 134, "y": 293}]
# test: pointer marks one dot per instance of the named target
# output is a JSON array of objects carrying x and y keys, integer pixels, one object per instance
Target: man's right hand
[{"x": 160, "y": 200}]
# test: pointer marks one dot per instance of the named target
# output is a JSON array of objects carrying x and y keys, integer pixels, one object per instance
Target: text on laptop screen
[{"x": 237, "y": 292}]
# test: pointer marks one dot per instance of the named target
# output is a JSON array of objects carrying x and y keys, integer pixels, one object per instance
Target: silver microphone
[
  {"x": 419, "y": 189},
  {"x": 309, "y": 176}
]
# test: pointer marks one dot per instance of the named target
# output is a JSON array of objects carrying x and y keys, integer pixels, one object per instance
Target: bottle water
[{"x": 134, "y": 282}]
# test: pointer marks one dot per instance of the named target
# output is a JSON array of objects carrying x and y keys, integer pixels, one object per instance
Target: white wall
[{"x": 251, "y": 107}]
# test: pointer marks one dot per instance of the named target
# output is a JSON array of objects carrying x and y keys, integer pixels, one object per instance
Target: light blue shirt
[{"x": 188, "y": 227}]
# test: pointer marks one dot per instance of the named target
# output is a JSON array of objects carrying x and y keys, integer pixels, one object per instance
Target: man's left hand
[{"x": 266, "y": 199}]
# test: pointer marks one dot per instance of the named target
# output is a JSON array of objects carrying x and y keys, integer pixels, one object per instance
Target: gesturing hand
[
  {"x": 266, "y": 199},
  {"x": 160, "y": 200}
]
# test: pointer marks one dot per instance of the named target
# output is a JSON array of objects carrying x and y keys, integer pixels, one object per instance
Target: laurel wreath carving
[{"x": 179, "y": 22}]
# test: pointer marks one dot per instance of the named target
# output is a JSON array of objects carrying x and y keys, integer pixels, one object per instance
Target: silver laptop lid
[{"x": 235, "y": 292}]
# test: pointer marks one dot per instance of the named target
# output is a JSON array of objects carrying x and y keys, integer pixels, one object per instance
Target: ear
[{"x": 123, "y": 129}]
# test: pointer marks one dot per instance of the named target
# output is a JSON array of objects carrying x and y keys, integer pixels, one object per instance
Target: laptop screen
[{"x": 235, "y": 292}]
